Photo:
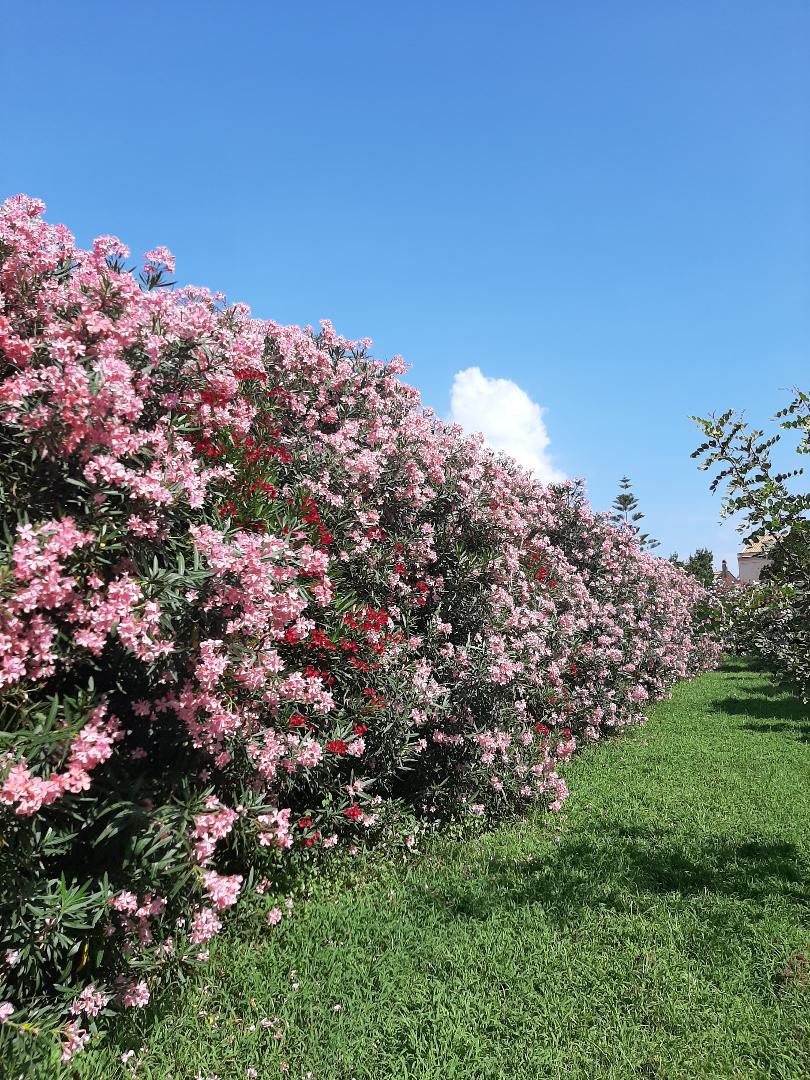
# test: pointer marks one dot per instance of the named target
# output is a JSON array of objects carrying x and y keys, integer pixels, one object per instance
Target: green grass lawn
[{"x": 657, "y": 928}]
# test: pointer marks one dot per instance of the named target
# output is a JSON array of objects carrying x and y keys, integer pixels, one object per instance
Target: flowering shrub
[
  {"x": 771, "y": 619},
  {"x": 257, "y": 603},
  {"x": 741, "y": 613}
]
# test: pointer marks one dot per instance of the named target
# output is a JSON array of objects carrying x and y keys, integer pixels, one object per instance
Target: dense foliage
[
  {"x": 772, "y": 617},
  {"x": 258, "y": 603},
  {"x": 700, "y": 564}
]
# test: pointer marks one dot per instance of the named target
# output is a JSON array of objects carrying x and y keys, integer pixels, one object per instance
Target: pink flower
[
  {"x": 210, "y": 828},
  {"x": 204, "y": 926},
  {"x": 274, "y": 916},
  {"x": 124, "y": 901},
  {"x": 135, "y": 994},
  {"x": 6, "y": 1008},
  {"x": 222, "y": 889},
  {"x": 159, "y": 256},
  {"x": 73, "y": 1040},
  {"x": 90, "y": 1001},
  {"x": 357, "y": 747}
]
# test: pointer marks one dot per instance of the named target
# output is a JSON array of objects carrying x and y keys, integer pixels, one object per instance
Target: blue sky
[{"x": 606, "y": 204}]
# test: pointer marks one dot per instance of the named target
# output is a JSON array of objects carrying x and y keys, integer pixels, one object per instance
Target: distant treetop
[{"x": 626, "y": 512}]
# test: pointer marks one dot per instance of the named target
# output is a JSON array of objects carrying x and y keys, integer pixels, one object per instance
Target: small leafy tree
[
  {"x": 626, "y": 512},
  {"x": 772, "y": 504},
  {"x": 700, "y": 565}
]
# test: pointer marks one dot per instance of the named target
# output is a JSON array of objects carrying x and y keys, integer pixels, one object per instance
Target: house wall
[{"x": 751, "y": 567}]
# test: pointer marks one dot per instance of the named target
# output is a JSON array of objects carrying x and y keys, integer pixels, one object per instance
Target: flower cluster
[{"x": 259, "y": 603}]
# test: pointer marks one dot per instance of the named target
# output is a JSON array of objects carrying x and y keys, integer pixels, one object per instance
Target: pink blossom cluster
[
  {"x": 136, "y": 917},
  {"x": 211, "y": 826},
  {"x": 47, "y": 599},
  {"x": 92, "y": 745},
  {"x": 223, "y": 889}
]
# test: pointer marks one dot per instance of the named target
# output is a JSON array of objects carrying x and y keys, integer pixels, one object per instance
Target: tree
[
  {"x": 753, "y": 489},
  {"x": 773, "y": 505},
  {"x": 626, "y": 512},
  {"x": 700, "y": 565}
]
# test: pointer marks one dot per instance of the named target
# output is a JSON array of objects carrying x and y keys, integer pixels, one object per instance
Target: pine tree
[{"x": 626, "y": 512}]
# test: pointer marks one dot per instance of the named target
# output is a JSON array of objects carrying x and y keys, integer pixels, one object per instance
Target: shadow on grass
[
  {"x": 741, "y": 665},
  {"x": 801, "y": 732},
  {"x": 787, "y": 715},
  {"x": 619, "y": 867}
]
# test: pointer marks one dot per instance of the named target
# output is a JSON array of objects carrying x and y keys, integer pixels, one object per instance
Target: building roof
[
  {"x": 724, "y": 577},
  {"x": 759, "y": 547}
]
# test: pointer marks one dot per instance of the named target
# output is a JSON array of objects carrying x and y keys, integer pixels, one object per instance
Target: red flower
[
  {"x": 354, "y": 812},
  {"x": 249, "y": 373},
  {"x": 213, "y": 397},
  {"x": 305, "y": 823},
  {"x": 311, "y": 515},
  {"x": 541, "y": 729},
  {"x": 320, "y": 640},
  {"x": 336, "y": 746},
  {"x": 360, "y": 729},
  {"x": 297, "y": 720}
]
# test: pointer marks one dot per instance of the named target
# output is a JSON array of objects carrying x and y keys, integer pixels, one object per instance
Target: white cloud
[{"x": 506, "y": 416}]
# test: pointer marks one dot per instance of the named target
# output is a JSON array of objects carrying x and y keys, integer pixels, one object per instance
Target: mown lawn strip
[{"x": 657, "y": 928}]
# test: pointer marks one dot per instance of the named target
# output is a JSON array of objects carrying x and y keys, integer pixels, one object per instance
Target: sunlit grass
[{"x": 659, "y": 927}]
